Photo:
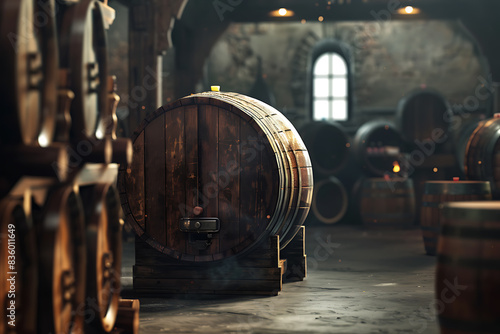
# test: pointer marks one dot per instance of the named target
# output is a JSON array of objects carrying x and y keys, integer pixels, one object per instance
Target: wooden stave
[
  {"x": 360, "y": 145},
  {"x": 279, "y": 149},
  {"x": 403, "y": 104},
  {"x": 137, "y": 134},
  {"x": 62, "y": 214},
  {"x": 127, "y": 321},
  {"x": 302, "y": 177},
  {"x": 103, "y": 227},
  {"x": 330, "y": 220},
  {"x": 270, "y": 145},
  {"x": 437, "y": 192},
  {"x": 405, "y": 191},
  {"x": 482, "y": 145},
  {"x": 72, "y": 38},
  {"x": 469, "y": 230},
  {"x": 308, "y": 132},
  {"x": 18, "y": 97},
  {"x": 17, "y": 211}
]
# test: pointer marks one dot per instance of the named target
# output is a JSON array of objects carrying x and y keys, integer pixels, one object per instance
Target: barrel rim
[
  {"x": 468, "y": 187},
  {"x": 343, "y": 210}
]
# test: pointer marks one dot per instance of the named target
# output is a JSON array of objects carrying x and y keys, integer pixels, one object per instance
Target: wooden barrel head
[
  {"x": 103, "y": 252},
  {"x": 378, "y": 147},
  {"x": 330, "y": 201},
  {"x": 28, "y": 85},
  {"x": 236, "y": 158},
  {"x": 62, "y": 257},
  {"x": 420, "y": 113},
  {"x": 84, "y": 51},
  {"x": 328, "y": 144}
]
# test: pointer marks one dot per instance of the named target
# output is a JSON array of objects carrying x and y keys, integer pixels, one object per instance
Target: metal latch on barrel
[{"x": 200, "y": 225}]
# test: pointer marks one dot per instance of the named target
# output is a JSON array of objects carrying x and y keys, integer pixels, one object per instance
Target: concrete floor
[{"x": 359, "y": 281}]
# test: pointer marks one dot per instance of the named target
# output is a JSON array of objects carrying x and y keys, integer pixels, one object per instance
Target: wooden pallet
[
  {"x": 258, "y": 273},
  {"x": 296, "y": 259}
]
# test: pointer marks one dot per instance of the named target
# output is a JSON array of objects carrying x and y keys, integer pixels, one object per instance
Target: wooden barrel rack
[{"x": 58, "y": 189}]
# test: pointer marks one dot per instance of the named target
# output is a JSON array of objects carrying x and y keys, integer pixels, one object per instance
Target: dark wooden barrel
[
  {"x": 28, "y": 89},
  {"x": 329, "y": 146},
  {"x": 421, "y": 113},
  {"x": 214, "y": 174},
  {"x": 378, "y": 148},
  {"x": 18, "y": 256},
  {"x": 437, "y": 192},
  {"x": 330, "y": 200},
  {"x": 482, "y": 155},
  {"x": 468, "y": 268},
  {"x": 84, "y": 52},
  {"x": 104, "y": 251},
  {"x": 62, "y": 263},
  {"x": 387, "y": 202}
]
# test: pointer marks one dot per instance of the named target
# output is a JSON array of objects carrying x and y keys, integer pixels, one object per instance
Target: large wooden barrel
[
  {"x": 62, "y": 263},
  {"x": 468, "y": 268},
  {"x": 213, "y": 175},
  {"x": 328, "y": 145},
  {"x": 378, "y": 148},
  {"x": 423, "y": 114},
  {"x": 387, "y": 202},
  {"x": 18, "y": 267},
  {"x": 330, "y": 200},
  {"x": 437, "y": 192},
  {"x": 482, "y": 155},
  {"x": 104, "y": 251},
  {"x": 28, "y": 89}
]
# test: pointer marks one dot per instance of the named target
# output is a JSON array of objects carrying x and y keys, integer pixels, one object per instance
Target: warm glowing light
[
  {"x": 282, "y": 12},
  {"x": 320, "y": 19},
  {"x": 408, "y": 10},
  {"x": 456, "y": 179},
  {"x": 303, "y": 21},
  {"x": 215, "y": 88},
  {"x": 348, "y": 145},
  {"x": 43, "y": 140},
  {"x": 396, "y": 168},
  {"x": 435, "y": 170}
]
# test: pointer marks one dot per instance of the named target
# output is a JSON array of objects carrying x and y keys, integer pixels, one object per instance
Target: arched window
[{"x": 331, "y": 86}]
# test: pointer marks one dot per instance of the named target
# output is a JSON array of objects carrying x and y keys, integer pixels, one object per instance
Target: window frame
[{"x": 344, "y": 51}]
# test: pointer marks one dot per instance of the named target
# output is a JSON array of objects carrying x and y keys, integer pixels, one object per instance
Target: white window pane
[
  {"x": 339, "y": 87},
  {"x": 321, "y": 87},
  {"x": 339, "y": 66},
  {"x": 322, "y": 65},
  {"x": 339, "y": 108},
  {"x": 321, "y": 110}
]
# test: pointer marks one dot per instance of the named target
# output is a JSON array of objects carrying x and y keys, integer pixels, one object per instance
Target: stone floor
[{"x": 359, "y": 281}]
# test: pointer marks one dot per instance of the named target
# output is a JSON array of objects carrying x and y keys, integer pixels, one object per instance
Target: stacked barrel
[{"x": 60, "y": 250}]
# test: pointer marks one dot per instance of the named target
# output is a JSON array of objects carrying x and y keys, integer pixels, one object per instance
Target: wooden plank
[
  {"x": 208, "y": 132},
  {"x": 229, "y": 179},
  {"x": 174, "y": 182},
  {"x": 229, "y": 270},
  {"x": 251, "y": 165},
  {"x": 192, "y": 167},
  {"x": 162, "y": 285},
  {"x": 135, "y": 183},
  {"x": 154, "y": 171}
]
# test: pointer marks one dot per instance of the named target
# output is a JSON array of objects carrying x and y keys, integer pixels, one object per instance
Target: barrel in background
[
  {"x": 330, "y": 200},
  {"x": 228, "y": 162},
  {"x": 482, "y": 155},
  {"x": 379, "y": 149},
  {"x": 438, "y": 192},
  {"x": 468, "y": 268},
  {"x": 328, "y": 145},
  {"x": 387, "y": 202},
  {"x": 424, "y": 115}
]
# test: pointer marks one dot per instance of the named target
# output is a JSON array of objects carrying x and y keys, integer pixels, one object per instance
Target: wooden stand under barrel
[
  {"x": 220, "y": 183},
  {"x": 259, "y": 273}
]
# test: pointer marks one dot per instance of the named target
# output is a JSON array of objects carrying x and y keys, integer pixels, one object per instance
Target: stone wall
[{"x": 390, "y": 59}]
